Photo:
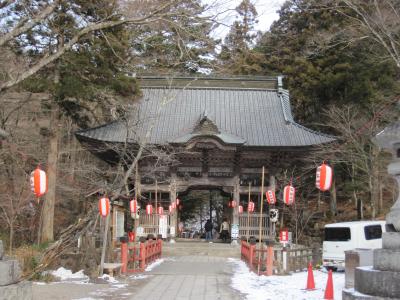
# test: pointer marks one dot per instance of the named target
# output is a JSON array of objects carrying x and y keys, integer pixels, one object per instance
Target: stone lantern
[{"x": 381, "y": 281}]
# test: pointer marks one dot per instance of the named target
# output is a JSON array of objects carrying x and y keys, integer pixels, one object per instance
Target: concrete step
[
  {"x": 201, "y": 249},
  {"x": 387, "y": 260},
  {"x": 377, "y": 283}
]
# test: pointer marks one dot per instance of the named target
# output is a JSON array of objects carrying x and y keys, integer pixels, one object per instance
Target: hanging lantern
[
  {"x": 173, "y": 205},
  {"x": 240, "y": 209},
  {"x": 250, "y": 206},
  {"x": 323, "y": 180},
  {"x": 270, "y": 194},
  {"x": 104, "y": 206},
  {"x": 233, "y": 203},
  {"x": 149, "y": 209},
  {"x": 39, "y": 184},
  {"x": 160, "y": 210},
  {"x": 171, "y": 209},
  {"x": 289, "y": 194},
  {"x": 177, "y": 201},
  {"x": 180, "y": 207},
  {"x": 133, "y": 206}
]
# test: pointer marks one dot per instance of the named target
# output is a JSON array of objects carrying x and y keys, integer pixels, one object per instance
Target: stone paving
[{"x": 190, "y": 277}]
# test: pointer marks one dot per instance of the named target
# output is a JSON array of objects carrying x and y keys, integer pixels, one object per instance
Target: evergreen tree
[
  {"x": 86, "y": 83},
  {"x": 236, "y": 54},
  {"x": 304, "y": 45},
  {"x": 183, "y": 45}
]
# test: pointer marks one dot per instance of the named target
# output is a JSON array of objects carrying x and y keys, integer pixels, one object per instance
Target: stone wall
[{"x": 11, "y": 288}]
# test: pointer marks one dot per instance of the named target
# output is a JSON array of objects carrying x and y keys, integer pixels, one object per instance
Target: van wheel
[{"x": 334, "y": 269}]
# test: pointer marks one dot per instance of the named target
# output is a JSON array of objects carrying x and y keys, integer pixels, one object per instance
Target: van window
[
  {"x": 337, "y": 234},
  {"x": 373, "y": 232}
]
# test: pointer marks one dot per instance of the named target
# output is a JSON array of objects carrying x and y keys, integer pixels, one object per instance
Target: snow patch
[
  {"x": 39, "y": 283},
  {"x": 109, "y": 278},
  {"x": 67, "y": 275},
  {"x": 156, "y": 263},
  {"x": 282, "y": 287},
  {"x": 138, "y": 277},
  {"x": 119, "y": 286},
  {"x": 367, "y": 268}
]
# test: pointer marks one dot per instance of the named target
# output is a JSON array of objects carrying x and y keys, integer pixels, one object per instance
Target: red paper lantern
[
  {"x": 177, "y": 201},
  {"x": 173, "y": 205},
  {"x": 270, "y": 195},
  {"x": 160, "y": 210},
  {"x": 250, "y": 206},
  {"x": 39, "y": 184},
  {"x": 289, "y": 194},
  {"x": 240, "y": 209},
  {"x": 133, "y": 206},
  {"x": 232, "y": 203},
  {"x": 323, "y": 180},
  {"x": 170, "y": 208},
  {"x": 104, "y": 206},
  {"x": 149, "y": 209}
]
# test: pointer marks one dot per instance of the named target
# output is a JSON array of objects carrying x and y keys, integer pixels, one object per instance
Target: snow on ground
[
  {"x": 138, "y": 277},
  {"x": 109, "y": 278},
  {"x": 154, "y": 264},
  {"x": 67, "y": 275},
  {"x": 290, "y": 287}
]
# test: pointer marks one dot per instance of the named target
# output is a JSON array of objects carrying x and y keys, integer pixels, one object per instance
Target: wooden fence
[
  {"x": 150, "y": 223},
  {"x": 273, "y": 260},
  {"x": 249, "y": 225}
]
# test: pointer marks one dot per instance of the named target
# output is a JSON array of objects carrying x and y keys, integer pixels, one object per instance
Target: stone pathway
[{"x": 190, "y": 277}]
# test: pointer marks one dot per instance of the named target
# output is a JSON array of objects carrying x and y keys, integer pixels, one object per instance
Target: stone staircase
[{"x": 183, "y": 247}]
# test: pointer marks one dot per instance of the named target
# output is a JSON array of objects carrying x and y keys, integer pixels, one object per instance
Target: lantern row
[{"x": 323, "y": 182}]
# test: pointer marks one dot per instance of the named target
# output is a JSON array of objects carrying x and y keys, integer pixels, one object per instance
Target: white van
[{"x": 340, "y": 237}]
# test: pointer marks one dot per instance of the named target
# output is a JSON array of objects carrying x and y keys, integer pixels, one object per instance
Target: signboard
[
  {"x": 139, "y": 231},
  {"x": 235, "y": 231},
  {"x": 284, "y": 236},
  {"x": 163, "y": 226}
]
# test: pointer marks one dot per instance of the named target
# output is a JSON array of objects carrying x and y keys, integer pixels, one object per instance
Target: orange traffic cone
[
  {"x": 310, "y": 278},
  {"x": 329, "y": 287}
]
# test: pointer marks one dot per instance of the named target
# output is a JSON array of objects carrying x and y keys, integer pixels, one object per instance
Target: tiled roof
[{"x": 259, "y": 117}]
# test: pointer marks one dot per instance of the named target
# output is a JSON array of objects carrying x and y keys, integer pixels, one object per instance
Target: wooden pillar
[
  {"x": 272, "y": 182},
  {"x": 172, "y": 197},
  {"x": 236, "y": 197}
]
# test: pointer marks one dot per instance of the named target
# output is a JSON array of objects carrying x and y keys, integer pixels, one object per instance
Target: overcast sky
[{"x": 267, "y": 13}]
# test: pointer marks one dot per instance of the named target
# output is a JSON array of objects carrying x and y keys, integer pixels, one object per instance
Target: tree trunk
[
  {"x": 11, "y": 236},
  {"x": 333, "y": 204},
  {"x": 47, "y": 234},
  {"x": 360, "y": 213},
  {"x": 380, "y": 206},
  {"x": 371, "y": 195}
]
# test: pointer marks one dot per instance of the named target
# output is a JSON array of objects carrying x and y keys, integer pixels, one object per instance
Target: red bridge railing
[
  {"x": 259, "y": 261},
  {"x": 136, "y": 257}
]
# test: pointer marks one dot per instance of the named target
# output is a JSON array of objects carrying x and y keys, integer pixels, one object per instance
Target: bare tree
[{"x": 378, "y": 20}]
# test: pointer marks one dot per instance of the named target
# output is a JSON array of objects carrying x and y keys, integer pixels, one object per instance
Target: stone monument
[
  {"x": 382, "y": 280},
  {"x": 11, "y": 288}
]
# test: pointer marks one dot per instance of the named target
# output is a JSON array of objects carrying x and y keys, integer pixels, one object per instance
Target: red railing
[
  {"x": 136, "y": 257},
  {"x": 259, "y": 261}
]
